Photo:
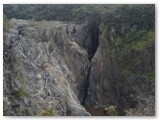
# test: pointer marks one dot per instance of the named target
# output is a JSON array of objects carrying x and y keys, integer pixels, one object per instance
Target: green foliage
[
  {"x": 133, "y": 50},
  {"x": 52, "y": 12},
  {"x": 149, "y": 75},
  {"x": 5, "y": 109},
  {"x": 111, "y": 111},
  {"x": 5, "y": 113},
  {"x": 129, "y": 34},
  {"x": 19, "y": 93},
  {"x": 6, "y": 24},
  {"x": 142, "y": 15},
  {"x": 144, "y": 41},
  {"x": 49, "y": 112},
  {"x": 138, "y": 41}
]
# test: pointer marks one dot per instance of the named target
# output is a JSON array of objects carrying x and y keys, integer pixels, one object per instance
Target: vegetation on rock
[
  {"x": 111, "y": 111},
  {"x": 49, "y": 112},
  {"x": 19, "y": 93},
  {"x": 6, "y": 24}
]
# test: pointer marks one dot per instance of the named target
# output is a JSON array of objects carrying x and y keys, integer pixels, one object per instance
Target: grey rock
[{"x": 46, "y": 78}]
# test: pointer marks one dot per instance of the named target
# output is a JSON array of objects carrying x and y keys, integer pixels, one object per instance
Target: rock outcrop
[
  {"x": 46, "y": 67},
  {"x": 123, "y": 77},
  {"x": 63, "y": 67}
]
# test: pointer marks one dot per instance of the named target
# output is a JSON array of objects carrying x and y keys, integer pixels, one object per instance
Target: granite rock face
[
  {"x": 44, "y": 67},
  {"x": 61, "y": 66},
  {"x": 122, "y": 77}
]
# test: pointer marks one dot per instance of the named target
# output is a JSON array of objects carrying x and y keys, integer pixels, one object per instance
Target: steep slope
[
  {"x": 122, "y": 69},
  {"x": 45, "y": 67}
]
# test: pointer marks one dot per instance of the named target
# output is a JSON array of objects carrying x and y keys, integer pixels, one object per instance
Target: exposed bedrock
[{"x": 62, "y": 67}]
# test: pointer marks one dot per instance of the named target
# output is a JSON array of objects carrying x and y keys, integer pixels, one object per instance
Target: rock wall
[
  {"x": 123, "y": 77},
  {"x": 45, "y": 67},
  {"x": 57, "y": 67}
]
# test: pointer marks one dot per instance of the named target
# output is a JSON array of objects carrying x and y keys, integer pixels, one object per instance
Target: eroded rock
[{"x": 48, "y": 69}]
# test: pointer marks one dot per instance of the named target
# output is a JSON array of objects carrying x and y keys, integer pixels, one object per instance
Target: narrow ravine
[
  {"x": 94, "y": 33},
  {"x": 86, "y": 86}
]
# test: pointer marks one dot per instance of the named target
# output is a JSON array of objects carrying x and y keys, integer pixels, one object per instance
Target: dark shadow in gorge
[
  {"x": 93, "y": 30},
  {"x": 91, "y": 43},
  {"x": 94, "y": 36},
  {"x": 94, "y": 33}
]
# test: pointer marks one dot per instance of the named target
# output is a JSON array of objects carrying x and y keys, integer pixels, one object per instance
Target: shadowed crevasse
[{"x": 94, "y": 36}]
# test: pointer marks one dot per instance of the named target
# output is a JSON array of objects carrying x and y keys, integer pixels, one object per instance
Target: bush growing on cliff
[
  {"x": 49, "y": 112},
  {"x": 5, "y": 23},
  {"x": 111, "y": 111},
  {"x": 5, "y": 109},
  {"x": 19, "y": 93}
]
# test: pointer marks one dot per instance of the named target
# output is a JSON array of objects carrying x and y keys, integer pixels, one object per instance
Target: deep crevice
[
  {"x": 86, "y": 86},
  {"x": 94, "y": 36}
]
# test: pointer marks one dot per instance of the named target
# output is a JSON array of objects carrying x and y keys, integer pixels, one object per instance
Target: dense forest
[
  {"x": 55, "y": 12},
  {"x": 117, "y": 13}
]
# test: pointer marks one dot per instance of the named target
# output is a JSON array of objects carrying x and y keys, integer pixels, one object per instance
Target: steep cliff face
[
  {"x": 122, "y": 69},
  {"x": 45, "y": 68},
  {"x": 53, "y": 68}
]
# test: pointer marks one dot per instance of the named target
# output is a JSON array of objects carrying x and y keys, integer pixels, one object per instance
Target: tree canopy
[{"x": 80, "y": 12}]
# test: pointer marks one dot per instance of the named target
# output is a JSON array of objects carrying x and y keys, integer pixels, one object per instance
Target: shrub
[
  {"x": 6, "y": 24},
  {"x": 49, "y": 112},
  {"x": 19, "y": 93},
  {"x": 111, "y": 111}
]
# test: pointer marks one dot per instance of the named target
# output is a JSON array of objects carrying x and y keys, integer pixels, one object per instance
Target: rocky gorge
[{"x": 59, "y": 68}]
